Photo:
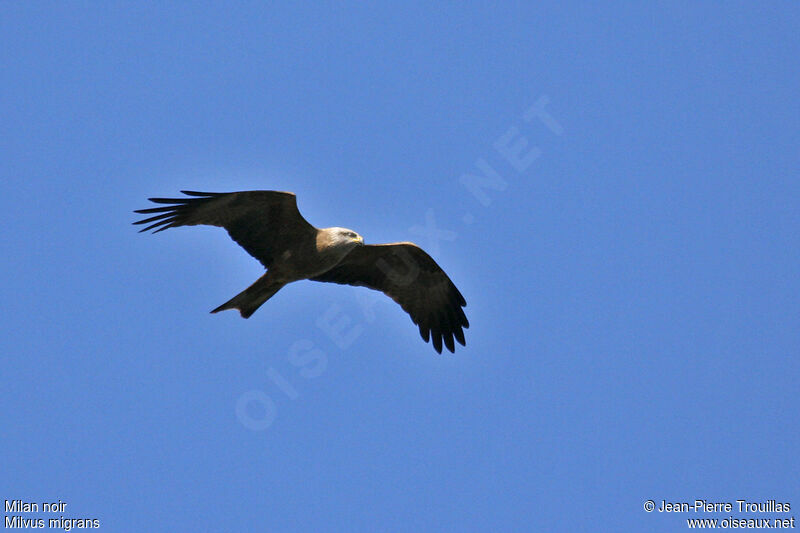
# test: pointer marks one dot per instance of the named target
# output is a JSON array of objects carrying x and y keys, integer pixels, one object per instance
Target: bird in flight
[{"x": 268, "y": 225}]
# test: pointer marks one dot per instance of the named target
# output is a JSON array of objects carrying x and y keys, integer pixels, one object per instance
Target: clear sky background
[{"x": 632, "y": 282}]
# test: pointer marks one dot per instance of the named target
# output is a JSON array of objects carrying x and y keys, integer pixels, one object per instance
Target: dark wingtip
[
  {"x": 198, "y": 193},
  {"x": 177, "y": 201},
  {"x": 154, "y": 218},
  {"x": 437, "y": 341},
  {"x": 424, "y": 333},
  {"x": 459, "y": 334},
  {"x": 448, "y": 341},
  {"x": 175, "y": 212},
  {"x": 156, "y": 209},
  {"x": 162, "y": 228}
]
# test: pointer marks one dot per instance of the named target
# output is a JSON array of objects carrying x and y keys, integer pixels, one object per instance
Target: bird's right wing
[{"x": 262, "y": 222}]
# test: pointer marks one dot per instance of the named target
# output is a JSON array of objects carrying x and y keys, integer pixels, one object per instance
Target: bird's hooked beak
[{"x": 360, "y": 239}]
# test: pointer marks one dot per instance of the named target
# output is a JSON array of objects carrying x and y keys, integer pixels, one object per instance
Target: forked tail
[{"x": 252, "y": 297}]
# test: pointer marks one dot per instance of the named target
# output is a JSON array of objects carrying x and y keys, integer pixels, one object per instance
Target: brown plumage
[{"x": 268, "y": 225}]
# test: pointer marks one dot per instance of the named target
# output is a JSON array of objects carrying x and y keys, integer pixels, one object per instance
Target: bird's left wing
[{"x": 408, "y": 275}]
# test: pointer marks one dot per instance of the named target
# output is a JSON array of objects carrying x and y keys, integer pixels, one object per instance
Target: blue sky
[{"x": 632, "y": 281}]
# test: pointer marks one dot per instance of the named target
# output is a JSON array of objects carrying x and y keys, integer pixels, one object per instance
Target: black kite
[{"x": 268, "y": 225}]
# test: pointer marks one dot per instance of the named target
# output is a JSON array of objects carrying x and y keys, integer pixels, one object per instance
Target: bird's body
[{"x": 268, "y": 225}]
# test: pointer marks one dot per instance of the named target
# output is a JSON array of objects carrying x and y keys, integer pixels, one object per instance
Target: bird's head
[{"x": 345, "y": 237}]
